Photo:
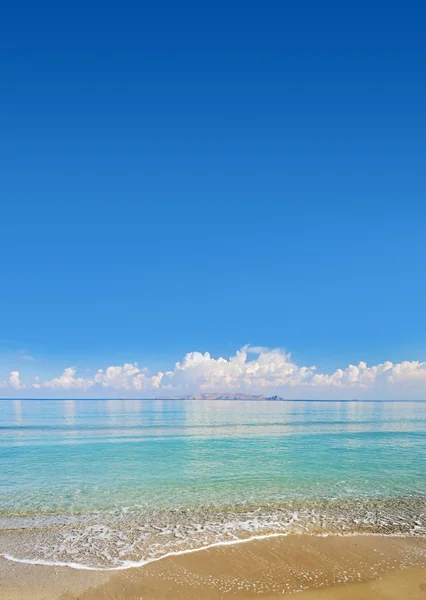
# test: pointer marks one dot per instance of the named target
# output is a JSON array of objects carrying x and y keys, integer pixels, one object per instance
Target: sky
[{"x": 208, "y": 197}]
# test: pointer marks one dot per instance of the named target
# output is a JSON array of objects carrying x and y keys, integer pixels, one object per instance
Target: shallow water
[{"x": 110, "y": 483}]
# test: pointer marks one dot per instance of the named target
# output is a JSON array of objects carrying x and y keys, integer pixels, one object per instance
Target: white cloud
[
  {"x": 66, "y": 381},
  {"x": 385, "y": 374},
  {"x": 251, "y": 369},
  {"x": 119, "y": 377},
  {"x": 15, "y": 382},
  {"x": 268, "y": 369}
]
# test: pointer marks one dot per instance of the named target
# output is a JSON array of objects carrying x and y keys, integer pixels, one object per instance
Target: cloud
[
  {"x": 66, "y": 381},
  {"x": 15, "y": 382},
  {"x": 383, "y": 375},
  {"x": 252, "y": 369},
  {"x": 125, "y": 377},
  {"x": 268, "y": 369},
  {"x": 22, "y": 354}
]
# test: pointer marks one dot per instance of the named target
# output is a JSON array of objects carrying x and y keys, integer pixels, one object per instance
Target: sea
[{"x": 112, "y": 484}]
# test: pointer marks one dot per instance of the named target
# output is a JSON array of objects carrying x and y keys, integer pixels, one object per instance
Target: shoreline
[
  {"x": 145, "y": 562},
  {"x": 267, "y": 567},
  {"x": 116, "y": 542}
]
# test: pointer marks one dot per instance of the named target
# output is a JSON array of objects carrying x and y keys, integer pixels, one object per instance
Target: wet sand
[{"x": 316, "y": 568}]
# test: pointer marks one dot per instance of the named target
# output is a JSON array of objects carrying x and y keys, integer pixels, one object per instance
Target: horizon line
[{"x": 260, "y": 399}]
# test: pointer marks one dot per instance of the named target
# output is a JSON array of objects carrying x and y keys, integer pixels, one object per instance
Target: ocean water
[{"x": 115, "y": 483}]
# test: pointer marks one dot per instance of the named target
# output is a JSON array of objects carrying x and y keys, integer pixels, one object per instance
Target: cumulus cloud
[
  {"x": 251, "y": 369},
  {"x": 268, "y": 369},
  {"x": 15, "y": 382},
  {"x": 119, "y": 377},
  {"x": 66, "y": 381}
]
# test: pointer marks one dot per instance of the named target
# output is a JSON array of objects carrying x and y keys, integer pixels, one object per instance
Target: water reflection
[
  {"x": 69, "y": 412},
  {"x": 17, "y": 408}
]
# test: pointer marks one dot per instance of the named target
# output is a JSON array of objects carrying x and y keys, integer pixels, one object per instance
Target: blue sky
[{"x": 188, "y": 177}]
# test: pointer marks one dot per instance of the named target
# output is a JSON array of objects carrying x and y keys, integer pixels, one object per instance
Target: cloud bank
[{"x": 255, "y": 370}]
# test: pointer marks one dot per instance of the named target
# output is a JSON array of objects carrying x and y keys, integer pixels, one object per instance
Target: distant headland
[{"x": 208, "y": 396}]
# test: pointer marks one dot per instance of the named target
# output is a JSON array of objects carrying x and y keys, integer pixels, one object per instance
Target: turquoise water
[{"x": 79, "y": 476}]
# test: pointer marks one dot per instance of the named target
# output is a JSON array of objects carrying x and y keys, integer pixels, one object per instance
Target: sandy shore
[{"x": 332, "y": 568}]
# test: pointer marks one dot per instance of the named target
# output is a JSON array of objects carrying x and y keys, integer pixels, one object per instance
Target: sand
[{"x": 314, "y": 568}]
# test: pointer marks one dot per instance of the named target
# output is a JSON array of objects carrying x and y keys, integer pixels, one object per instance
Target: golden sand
[{"x": 331, "y": 568}]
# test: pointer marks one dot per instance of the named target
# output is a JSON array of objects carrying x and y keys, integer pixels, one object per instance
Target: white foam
[
  {"x": 100, "y": 546},
  {"x": 128, "y": 564}
]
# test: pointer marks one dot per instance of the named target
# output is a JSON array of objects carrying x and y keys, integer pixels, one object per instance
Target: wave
[
  {"x": 134, "y": 538},
  {"x": 141, "y": 563}
]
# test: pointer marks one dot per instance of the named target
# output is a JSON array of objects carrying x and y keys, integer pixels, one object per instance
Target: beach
[
  {"x": 195, "y": 499},
  {"x": 333, "y": 568}
]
